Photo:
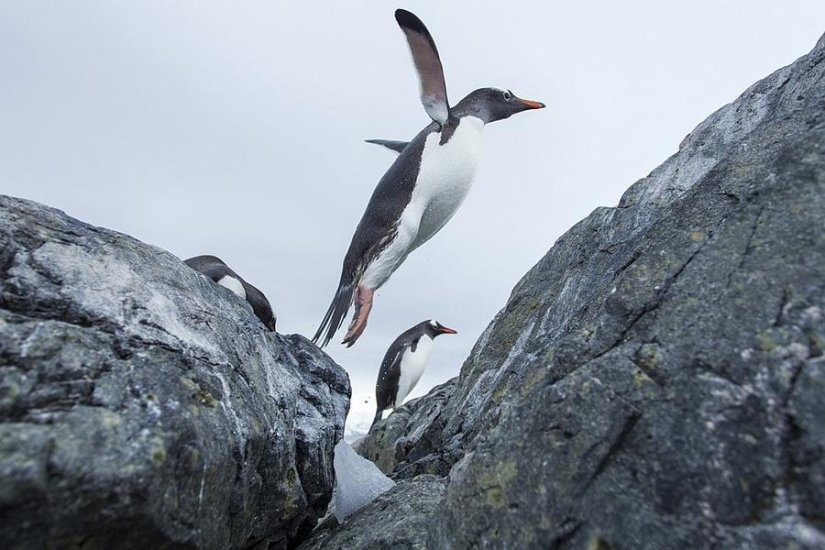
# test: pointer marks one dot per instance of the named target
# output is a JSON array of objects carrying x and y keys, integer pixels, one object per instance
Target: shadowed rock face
[
  {"x": 400, "y": 444},
  {"x": 143, "y": 406},
  {"x": 657, "y": 380}
]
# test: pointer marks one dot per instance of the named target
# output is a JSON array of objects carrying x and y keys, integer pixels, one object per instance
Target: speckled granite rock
[
  {"x": 407, "y": 443},
  {"x": 142, "y": 406},
  {"x": 399, "y": 519},
  {"x": 657, "y": 379}
]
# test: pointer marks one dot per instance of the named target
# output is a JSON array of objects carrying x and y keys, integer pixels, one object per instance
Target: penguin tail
[{"x": 337, "y": 311}]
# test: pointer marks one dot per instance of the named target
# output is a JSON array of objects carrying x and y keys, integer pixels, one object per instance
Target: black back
[
  {"x": 389, "y": 199},
  {"x": 376, "y": 229}
]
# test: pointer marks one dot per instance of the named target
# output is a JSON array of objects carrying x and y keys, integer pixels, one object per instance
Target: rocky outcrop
[
  {"x": 143, "y": 406},
  {"x": 657, "y": 380},
  {"x": 400, "y": 518},
  {"x": 401, "y": 446}
]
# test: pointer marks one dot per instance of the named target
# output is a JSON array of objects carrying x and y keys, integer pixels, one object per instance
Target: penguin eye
[{"x": 507, "y": 95}]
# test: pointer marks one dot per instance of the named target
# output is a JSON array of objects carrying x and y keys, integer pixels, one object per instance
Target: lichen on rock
[{"x": 142, "y": 406}]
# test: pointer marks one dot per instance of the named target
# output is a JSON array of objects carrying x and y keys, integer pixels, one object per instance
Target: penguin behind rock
[
  {"x": 214, "y": 268},
  {"x": 403, "y": 365},
  {"x": 422, "y": 189}
]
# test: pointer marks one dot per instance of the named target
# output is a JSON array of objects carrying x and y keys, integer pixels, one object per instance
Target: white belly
[
  {"x": 413, "y": 364},
  {"x": 444, "y": 179},
  {"x": 234, "y": 285}
]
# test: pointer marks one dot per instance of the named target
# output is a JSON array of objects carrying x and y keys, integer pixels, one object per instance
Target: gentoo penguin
[
  {"x": 214, "y": 268},
  {"x": 422, "y": 189},
  {"x": 404, "y": 364}
]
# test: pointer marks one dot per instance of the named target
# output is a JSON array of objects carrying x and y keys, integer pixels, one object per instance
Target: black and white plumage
[
  {"x": 214, "y": 268},
  {"x": 403, "y": 365},
  {"x": 422, "y": 189}
]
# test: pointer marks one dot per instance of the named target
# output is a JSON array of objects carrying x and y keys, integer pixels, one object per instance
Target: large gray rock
[
  {"x": 657, "y": 380},
  {"x": 142, "y": 406}
]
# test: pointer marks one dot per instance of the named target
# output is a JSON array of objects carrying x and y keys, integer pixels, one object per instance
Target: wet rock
[{"x": 143, "y": 406}]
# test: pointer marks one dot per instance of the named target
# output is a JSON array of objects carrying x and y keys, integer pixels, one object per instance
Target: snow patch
[{"x": 357, "y": 481}]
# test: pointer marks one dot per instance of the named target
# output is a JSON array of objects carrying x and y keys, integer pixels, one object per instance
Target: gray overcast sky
[{"x": 236, "y": 129}]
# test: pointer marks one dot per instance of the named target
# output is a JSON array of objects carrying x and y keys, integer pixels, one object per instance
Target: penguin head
[
  {"x": 261, "y": 306},
  {"x": 264, "y": 312},
  {"x": 434, "y": 328},
  {"x": 492, "y": 104}
]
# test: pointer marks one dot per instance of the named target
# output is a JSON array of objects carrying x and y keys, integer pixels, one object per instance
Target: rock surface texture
[
  {"x": 657, "y": 380},
  {"x": 143, "y": 406}
]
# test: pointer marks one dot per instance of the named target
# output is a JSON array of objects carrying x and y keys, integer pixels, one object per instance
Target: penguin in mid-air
[
  {"x": 403, "y": 365},
  {"x": 422, "y": 189},
  {"x": 214, "y": 268}
]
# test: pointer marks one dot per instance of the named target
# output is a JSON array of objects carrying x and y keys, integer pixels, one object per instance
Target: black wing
[
  {"x": 396, "y": 146},
  {"x": 428, "y": 64},
  {"x": 386, "y": 387}
]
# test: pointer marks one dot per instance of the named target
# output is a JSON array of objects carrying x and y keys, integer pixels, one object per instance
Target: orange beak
[
  {"x": 532, "y": 104},
  {"x": 446, "y": 330}
]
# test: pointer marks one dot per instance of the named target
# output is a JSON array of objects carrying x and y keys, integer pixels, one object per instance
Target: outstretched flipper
[
  {"x": 386, "y": 388},
  {"x": 396, "y": 146},
  {"x": 427, "y": 64}
]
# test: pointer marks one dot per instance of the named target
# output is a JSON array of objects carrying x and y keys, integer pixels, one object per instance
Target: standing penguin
[
  {"x": 403, "y": 365},
  {"x": 214, "y": 268},
  {"x": 422, "y": 189}
]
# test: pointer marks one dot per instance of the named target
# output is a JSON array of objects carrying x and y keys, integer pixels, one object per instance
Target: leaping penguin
[
  {"x": 403, "y": 365},
  {"x": 214, "y": 268},
  {"x": 422, "y": 189}
]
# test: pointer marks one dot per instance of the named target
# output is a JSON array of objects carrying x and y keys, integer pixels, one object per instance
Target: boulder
[{"x": 143, "y": 406}]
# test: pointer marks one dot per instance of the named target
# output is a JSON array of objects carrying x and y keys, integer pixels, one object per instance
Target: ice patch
[{"x": 357, "y": 481}]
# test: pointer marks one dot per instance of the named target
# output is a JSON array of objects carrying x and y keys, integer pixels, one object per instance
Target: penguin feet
[{"x": 363, "y": 305}]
